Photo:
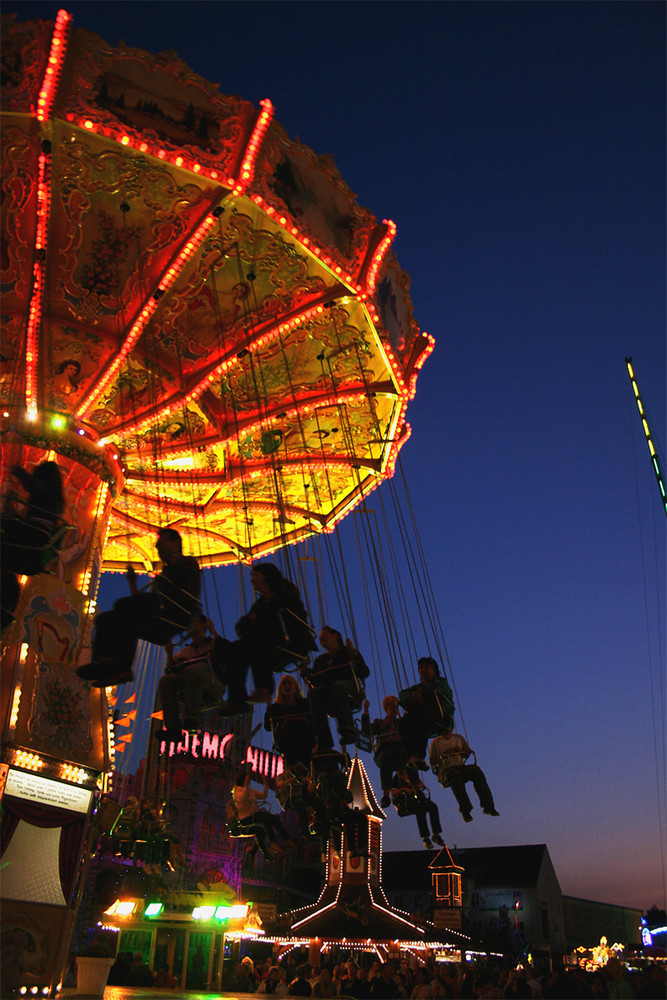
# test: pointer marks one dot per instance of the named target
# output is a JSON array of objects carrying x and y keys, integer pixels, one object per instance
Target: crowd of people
[{"x": 416, "y": 980}]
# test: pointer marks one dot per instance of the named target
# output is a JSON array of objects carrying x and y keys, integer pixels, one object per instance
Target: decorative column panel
[{"x": 55, "y": 729}]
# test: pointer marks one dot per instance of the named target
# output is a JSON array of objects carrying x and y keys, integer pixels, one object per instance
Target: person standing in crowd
[
  {"x": 300, "y": 985},
  {"x": 324, "y": 987},
  {"x": 620, "y": 987},
  {"x": 384, "y": 986},
  {"x": 139, "y": 974}
]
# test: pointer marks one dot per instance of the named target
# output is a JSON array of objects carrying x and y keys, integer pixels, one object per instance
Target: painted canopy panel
[{"x": 183, "y": 280}]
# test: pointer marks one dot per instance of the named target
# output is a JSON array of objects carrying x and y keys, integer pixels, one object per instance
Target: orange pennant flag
[
  {"x": 120, "y": 747},
  {"x": 158, "y": 715},
  {"x": 132, "y": 715},
  {"x": 131, "y": 698},
  {"x": 125, "y": 721},
  {"x": 125, "y": 739}
]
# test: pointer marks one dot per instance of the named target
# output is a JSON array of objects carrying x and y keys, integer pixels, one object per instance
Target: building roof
[
  {"x": 363, "y": 796},
  {"x": 519, "y": 865}
]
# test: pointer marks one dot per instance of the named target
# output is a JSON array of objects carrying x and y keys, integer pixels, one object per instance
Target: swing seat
[
  {"x": 357, "y": 700},
  {"x": 239, "y": 830},
  {"x": 33, "y": 546},
  {"x": 404, "y": 805},
  {"x": 163, "y": 630},
  {"x": 287, "y": 657},
  {"x": 442, "y": 767}
]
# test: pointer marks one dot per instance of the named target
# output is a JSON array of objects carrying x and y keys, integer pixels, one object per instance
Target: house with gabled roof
[{"x": 508, "y": 894}]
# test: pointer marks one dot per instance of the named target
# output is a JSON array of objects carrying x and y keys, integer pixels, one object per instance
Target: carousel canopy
[{"x": 197, "y": 293}]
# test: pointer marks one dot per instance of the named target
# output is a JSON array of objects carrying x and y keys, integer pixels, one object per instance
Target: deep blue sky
[{"x": 520, "y": 150}]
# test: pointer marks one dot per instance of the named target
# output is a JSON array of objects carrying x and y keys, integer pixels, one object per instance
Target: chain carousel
[{"x": 203, "y": 330}]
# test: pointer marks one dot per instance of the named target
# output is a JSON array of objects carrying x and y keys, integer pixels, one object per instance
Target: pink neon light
[{"x": 212, "y": 746}]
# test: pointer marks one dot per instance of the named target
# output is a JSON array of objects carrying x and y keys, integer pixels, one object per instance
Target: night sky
[{"x": 519, "y": 148}]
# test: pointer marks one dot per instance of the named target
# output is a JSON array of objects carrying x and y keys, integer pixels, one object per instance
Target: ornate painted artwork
[{"x": 198, "y": 295}]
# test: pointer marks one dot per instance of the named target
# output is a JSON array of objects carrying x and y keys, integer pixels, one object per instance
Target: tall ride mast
[{"x": 655, "y": 461}]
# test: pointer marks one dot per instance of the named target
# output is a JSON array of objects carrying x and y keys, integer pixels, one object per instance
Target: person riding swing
[
  {"x": 448, "y": 755},
  {"x": 335, "y": 688},
  {"x": 428, "y": 708},
  {"x": 189, "y": 675},
  {"x": 274, "y": 633},
  {"x": 29, "y": 541},
  {"x": 155, "y": 617}
]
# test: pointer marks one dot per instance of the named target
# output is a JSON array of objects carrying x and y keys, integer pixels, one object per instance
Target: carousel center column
[{"x": 56, "y": 754}]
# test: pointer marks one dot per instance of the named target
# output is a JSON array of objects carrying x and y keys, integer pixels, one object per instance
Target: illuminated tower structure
[
  {"x": 352, "y": 904},
  {"x": 446, "y": 890}
]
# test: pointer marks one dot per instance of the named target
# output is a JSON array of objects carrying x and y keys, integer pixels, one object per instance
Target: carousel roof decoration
[
  {"x": 352, "y": 904},
  {"x": 191, "y": 290}
]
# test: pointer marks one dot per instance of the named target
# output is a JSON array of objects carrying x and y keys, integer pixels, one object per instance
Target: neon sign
[{"x": 213, "y": 746}]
